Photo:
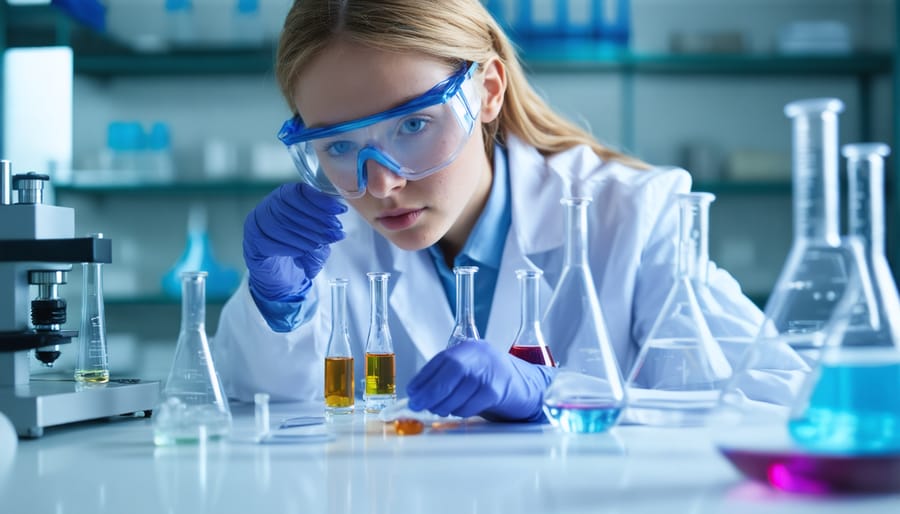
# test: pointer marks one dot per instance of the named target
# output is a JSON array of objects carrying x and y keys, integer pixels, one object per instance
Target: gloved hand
[
  {"x": 473, "y": 378},
  {"x": 286, "y": 242}
]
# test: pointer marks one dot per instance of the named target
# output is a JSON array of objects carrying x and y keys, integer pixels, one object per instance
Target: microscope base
[{"x": 45, "y": 402}]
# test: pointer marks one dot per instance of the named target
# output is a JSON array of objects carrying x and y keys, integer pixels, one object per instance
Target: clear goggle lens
[{"x": 412, "y": 145}]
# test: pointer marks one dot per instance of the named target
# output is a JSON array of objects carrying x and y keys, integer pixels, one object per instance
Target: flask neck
[
  {"x": 193, "y": 300},
  {"x": 529, "y": 286},
  {"x": 378, "y": 302},
  {"x": 866, "y": 200},
  {"x": 576, "y": 231},
  {"x": 92, "y": 279},
  {"x": 693, "y": 237},
  {"x": 815, "y": 186},
  {"x": 465, "y": 298},
  {"x": 338, "y": 308},
  {"x": 339, "y": 341}
]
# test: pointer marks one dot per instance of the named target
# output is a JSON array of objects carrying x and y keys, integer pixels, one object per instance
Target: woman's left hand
[{"x": 472, "y": 378}]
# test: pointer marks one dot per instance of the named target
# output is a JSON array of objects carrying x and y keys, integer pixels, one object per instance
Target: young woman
[{"x": 420, "y": 117}]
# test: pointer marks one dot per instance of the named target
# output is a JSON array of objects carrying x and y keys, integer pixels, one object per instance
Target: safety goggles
[{"x": 413, "y": 140}]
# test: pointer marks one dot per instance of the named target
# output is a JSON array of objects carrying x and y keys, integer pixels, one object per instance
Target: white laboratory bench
[{"x": 113, "y": 467}]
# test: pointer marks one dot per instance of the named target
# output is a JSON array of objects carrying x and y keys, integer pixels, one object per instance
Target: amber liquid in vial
[
  {"x": 380, "y": 386},
  {"x": 339, "y": 384}
]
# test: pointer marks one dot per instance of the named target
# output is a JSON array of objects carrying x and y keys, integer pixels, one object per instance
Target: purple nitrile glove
[
  {"x": 474, "y": 378},
  {"x": 286, "y": 243}
]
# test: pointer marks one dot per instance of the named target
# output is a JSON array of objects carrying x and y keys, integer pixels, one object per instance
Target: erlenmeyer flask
[
  {"x": 464, "y": 325},
  {"x": 817, "y": 291},
  {"x": 852, "y": 405},
  {"x": 193, "y": 407},
  {"x": 338, "y": 356},
  {"x": 381, "y": 389},
  {"x": 820, "y": 270},
  {"x": 680, "y": 370},
  {"x": 529, "y": 344},
  {"x": 586, "y": 394}
]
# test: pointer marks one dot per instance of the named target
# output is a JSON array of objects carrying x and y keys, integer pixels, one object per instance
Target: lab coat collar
[
  {"x": 417, "y": 296},
  {"x": 536, "y": 189}
]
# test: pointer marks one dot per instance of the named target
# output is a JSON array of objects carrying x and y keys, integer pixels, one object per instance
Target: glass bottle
[
  {"x": 464, "y": 326},
  {"x": 680, "y": 370},
  {"x": 586, "y": 394},
  {"x": 381, "y": 388},
  {"x": 92, "y": 362},
  {"x": 822, "y": 282},
  {"x": 852, "y": 405},
  {"x": 529, "y": 344},
  {"x": 339, "y": 394},
  {"x": 194, "y": 406}
]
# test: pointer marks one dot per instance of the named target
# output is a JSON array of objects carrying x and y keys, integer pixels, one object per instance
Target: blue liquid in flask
[
  {"x": 582, "y": 418},
  {"x": 854, "y": 409}
]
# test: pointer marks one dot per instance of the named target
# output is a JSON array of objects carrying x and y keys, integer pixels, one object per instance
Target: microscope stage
[{"x": 45, "y": 402}]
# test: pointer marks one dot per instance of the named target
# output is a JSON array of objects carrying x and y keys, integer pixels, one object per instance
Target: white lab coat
[{"x": 632, "y": 232}]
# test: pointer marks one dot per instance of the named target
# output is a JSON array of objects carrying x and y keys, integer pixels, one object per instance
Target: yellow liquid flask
[
  {"x": 464, "y": 326},
  {"x": 851, "y": 404},
  {"x": 92, "y": 362},
  {"x": 680, "y": 370},
  {"x": 381, "y": 390},
  {"x": 194, "y": 406},
  {"x": 822, "y": 284},
  {"x": 339, "y": 390},
  {"x": 587, "y": 394}
]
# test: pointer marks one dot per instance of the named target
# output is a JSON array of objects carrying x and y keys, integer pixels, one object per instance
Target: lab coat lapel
[
  {"x": 535, "y": 238},
  {"x": 418, "y": 301},
  {"x": 506, "y": 307}
]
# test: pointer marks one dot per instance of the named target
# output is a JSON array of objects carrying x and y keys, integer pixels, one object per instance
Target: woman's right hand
[{"x": 286, "y": 242}]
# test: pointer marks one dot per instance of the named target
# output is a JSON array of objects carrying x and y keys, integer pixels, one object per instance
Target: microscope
[{"x": 38, "y": 248}]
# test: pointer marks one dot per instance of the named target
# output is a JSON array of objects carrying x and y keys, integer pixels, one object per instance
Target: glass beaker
[
  {"x": 339, "y": 387},
  {"x": 194, "y": 407},
  {"x": 680, "y": 370},
  {"x": 529, "y": 344},
  {"x": 92, "y": 362},
  {"x": 381, "y": 389},
  {"x": 587, "y": 394},
  {"x": 852, "y": 405},
  {"x": 464, "y": 324}
]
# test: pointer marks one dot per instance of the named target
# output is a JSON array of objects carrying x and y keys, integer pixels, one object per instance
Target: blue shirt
[{"x": 483, "y": 248}]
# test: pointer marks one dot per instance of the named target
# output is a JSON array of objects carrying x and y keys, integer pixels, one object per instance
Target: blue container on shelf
[{"x": 531, "y": 22}]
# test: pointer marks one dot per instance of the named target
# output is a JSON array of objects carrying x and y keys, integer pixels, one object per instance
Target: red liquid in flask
[{"x": 533, "y": 354}]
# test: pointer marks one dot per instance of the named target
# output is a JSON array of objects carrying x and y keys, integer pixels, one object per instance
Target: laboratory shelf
[
  {"x": 194, "y": 62},
  {"x": 103, "y": 55},
  {"x": 210, "y": 187},
  {"x": 584, "y": 58},
  {"x": 154, "y": 299},
  {"x": 734, "y": 187},
  {"x": 251, "y": 61}
]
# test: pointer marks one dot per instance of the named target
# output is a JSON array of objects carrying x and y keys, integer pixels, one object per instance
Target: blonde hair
[{"x": 451, "y": 30}]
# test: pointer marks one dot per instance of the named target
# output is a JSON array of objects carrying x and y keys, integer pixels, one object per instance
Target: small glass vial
[
  {"x": 464, "y": 328},
  {"x": 529, "y": 344},
  {"x": 92, "y": 362},
  {"x": 381, "y": 389},
  {"x": 339, "y": 389},
  {"x": 194, "y": 407}
]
